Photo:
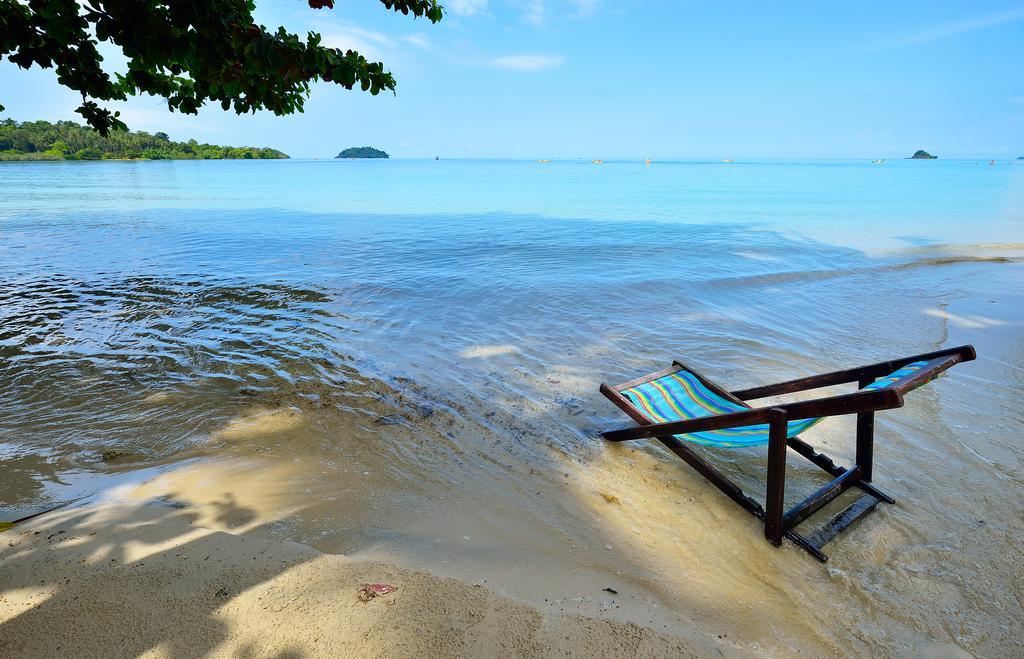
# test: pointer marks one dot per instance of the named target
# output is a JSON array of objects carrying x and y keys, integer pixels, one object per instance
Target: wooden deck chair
[{"x": 678, "y": 406}]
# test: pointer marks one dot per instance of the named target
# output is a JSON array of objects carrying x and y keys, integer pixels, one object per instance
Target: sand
[{"x": 146, "y": 580}]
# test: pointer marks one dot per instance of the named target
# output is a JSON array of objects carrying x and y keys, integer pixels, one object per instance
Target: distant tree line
[{"x": 66, "y": 140}]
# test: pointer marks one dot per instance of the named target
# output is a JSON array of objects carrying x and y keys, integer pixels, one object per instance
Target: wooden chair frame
[{"x": 779, "y": 523}]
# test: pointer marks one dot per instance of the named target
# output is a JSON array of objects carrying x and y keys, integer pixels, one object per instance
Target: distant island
[
  {"x": 66, "y": 140},
  {"x": 921, "y": 154},
  {"x": 1020, "y": 157},
  {"x": 362, "y": 152}
]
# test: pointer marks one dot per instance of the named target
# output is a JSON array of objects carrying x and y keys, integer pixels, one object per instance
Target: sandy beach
[{"x": 118, "y": 580}]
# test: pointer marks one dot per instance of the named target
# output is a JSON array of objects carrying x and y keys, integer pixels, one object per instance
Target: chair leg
[
  {"x": 865, "y": 443},
  {"x": 865, "y": 436},
  {"x": 776, "y": 489}
]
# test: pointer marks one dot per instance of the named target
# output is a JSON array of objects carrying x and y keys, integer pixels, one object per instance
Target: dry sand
[{"x": 128, "y": 580}]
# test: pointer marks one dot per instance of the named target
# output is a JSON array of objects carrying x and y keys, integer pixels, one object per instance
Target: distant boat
[
  {"x": 727, "y": 160},
  {"x": 648, "y": 162},
  {"x": 597, "y": 161},
  {"x": 543, "y": 160},
  {"x": 437, "y": 157},
  {"x": 991, "y": 162},
  {"x": 880, "y": 161}
]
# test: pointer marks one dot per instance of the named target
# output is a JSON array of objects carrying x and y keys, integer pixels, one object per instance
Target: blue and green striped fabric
[{"x": 681, "y": 395}]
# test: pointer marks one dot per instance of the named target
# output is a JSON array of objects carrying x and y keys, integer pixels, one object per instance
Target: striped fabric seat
[{"x": 681, "y": 395}]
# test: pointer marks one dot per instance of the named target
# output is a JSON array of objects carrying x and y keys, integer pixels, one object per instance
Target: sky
[{"x": 632, "y": 78}]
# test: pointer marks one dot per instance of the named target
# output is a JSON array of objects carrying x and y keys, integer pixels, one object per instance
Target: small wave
[
  {"x": 968, "y": 247},
  {"x": 950, "y": 260},
  {"x": 818, "y": 275}
]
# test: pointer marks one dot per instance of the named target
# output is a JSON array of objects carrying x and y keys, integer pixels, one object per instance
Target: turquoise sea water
[
  {"x": 144, "y": 306},
  {"x": 849, "y": 203}
]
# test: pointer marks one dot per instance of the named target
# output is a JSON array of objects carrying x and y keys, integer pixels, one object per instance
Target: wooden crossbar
[
  {"x": 828, "y": 532},
  {"x": 821, "y": 497}
]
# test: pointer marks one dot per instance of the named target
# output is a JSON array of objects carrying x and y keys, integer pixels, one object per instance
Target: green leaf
[{"x": 185, "y": 52}]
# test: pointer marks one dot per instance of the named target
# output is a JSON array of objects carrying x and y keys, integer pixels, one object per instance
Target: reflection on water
[
  {"x": 87, "y": 365},
  {"x": 424, "y": 388}
]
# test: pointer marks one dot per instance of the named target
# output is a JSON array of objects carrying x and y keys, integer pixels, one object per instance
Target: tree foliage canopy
[
  {"x": 362, "y": 152},
  {"x": 185, "y": 51},
  {"x": 66, "y": 140}
]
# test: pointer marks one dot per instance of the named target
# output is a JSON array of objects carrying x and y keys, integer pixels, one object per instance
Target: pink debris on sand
[{"x": 371, "y": 590}]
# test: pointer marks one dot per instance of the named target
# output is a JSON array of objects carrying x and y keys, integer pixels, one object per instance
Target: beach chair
[{"x": 679, "y": 407}]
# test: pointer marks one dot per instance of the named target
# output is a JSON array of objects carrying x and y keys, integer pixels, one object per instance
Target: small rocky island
[
  {"x": 921, "y": 154},
  {"x": 362, "y": 152}
]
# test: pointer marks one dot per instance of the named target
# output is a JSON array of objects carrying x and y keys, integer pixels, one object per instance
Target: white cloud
[
  {"x": 943, "y": 31},
  {"x": 584, "y": 7},
  {"x": 534, "y": 12},
  {"x": 528, "y": 62},
  {"x": 465, "y": 7},
  {"x": 417, "y": 40},
  {"x": 371, "y": 45}
]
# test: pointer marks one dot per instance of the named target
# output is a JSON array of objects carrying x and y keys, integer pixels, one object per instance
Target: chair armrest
[
  {"x": 858, "y": 374},
  {"x": 858, "y": 401},
  {"x": 800, "y": 384},
  {"x": 928, "y": 371}
]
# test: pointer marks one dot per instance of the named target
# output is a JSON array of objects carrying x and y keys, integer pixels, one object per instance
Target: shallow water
[{"x": 401, "y": 359}]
